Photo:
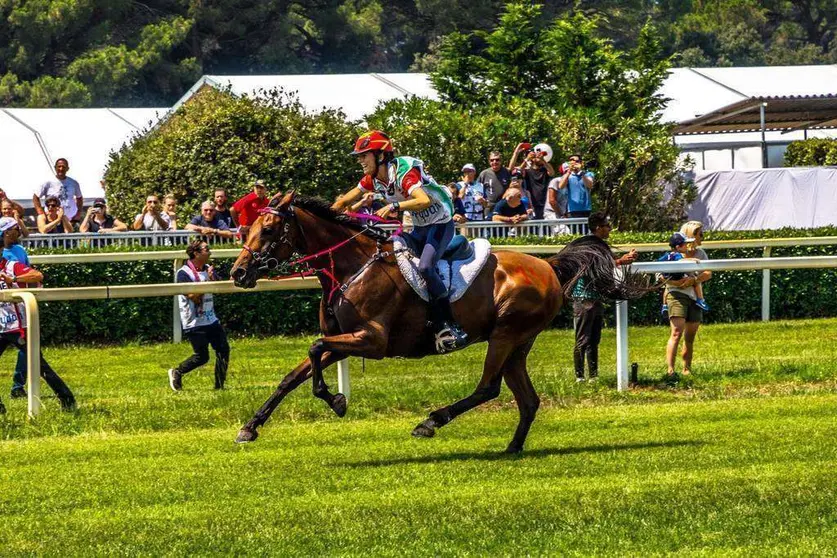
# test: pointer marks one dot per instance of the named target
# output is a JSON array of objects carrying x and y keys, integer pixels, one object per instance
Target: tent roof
[
  {"x": 355, "y": 94},
  {"x": 720, "y": 100},
  {"x": 33, "y": 138}
]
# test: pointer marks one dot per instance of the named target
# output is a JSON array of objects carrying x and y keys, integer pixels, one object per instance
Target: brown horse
[{"x": 368, "y": 309}]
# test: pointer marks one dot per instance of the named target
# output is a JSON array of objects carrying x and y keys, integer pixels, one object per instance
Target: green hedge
[
  {"x": 734, "y": 296},
  {"x": 814, "y": 152}
]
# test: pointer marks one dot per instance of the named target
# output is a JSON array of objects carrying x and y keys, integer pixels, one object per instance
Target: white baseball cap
[
  {"x": 7, "y": 223},
  {"x": 469, "y": 167}
]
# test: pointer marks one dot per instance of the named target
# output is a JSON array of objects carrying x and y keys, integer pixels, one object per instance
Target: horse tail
[{"x": 591, "y": 258}]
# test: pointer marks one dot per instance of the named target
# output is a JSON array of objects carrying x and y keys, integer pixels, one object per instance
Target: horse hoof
[
  {"x": 245, "y": 435},
  {"x": 339, "y": 405},
  {"x": 514, "y": 449},
  {"x": 424, "y": 430}
]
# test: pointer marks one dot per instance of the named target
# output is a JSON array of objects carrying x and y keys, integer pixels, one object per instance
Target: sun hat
[{"x": 7, "y": 223}]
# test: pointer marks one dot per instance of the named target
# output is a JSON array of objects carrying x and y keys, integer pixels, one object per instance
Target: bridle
[
  {"x": 266, "y": 262},
  {"x": 263, "y": 258}
]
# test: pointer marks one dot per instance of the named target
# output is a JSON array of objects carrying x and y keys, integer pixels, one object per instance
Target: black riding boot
[{"x": 449, "y": 335}]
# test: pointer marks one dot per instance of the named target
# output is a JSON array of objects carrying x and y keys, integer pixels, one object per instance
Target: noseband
[{"x": 263, "y": 259}]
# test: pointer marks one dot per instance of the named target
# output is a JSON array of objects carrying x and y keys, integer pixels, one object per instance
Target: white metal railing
[
  {"x": 31, "y": 297},
  {"x": 476, "y": 229},
  {"x": 766, "y": 264},
  {"x": 68, "y": 241},
  {"x": 177, "y": 256}
]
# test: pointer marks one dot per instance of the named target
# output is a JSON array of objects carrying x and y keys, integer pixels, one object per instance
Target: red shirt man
[{"x": 246, "y": 210}]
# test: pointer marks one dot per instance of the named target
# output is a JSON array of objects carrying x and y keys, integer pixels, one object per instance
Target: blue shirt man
[{"x": 578, "y": 183}]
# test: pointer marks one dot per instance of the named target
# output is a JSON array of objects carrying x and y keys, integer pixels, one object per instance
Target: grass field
[{"x": 738, "y": 460}]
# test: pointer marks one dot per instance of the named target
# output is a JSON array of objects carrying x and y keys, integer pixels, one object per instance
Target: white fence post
[
  {"x": 343, "y": 377},
  {"x": 176, "y": 328},
  {"x": 33, "y": 351},
  {"x": 765, "y": 289},
  {"x": 621, "y": 345}
]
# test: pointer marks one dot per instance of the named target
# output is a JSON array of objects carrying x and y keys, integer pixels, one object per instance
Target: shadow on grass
[{"x": 531, "y": 454}]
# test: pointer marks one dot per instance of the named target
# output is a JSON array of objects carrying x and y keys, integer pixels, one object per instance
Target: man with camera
[
  {"x": 578, "y": 183},
  {"x": 536, "y": 173},
  {"x": 152, "y": 218},
  {"x": 98, "y": 220}
]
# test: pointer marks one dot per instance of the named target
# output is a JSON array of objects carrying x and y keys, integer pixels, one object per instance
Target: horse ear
[{"x": 287, "y": 199}]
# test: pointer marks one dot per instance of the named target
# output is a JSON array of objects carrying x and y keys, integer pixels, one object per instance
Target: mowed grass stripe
[{"x": 722, "y": 476}]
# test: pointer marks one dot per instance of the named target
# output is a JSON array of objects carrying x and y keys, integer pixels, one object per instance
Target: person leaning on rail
[
  {"x": 54, "y": 220},
  {"x": 98, "y": 220},
  {"x": 200, "y": 324},
  {"x": 14, "y": 275}
]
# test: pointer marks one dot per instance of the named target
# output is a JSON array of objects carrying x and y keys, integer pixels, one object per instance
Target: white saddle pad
[{"x": 457, "y": 280}]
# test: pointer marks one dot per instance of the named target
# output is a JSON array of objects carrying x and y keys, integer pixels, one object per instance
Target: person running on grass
[{"x": 200, "y": 324}]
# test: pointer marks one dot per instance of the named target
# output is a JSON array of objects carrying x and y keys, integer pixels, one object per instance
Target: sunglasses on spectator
[
  {"x": 52, "y": 205},
  {"x": 152, "y": 201},
  {"x": 574, "y": 160},
  {"x": 494, "y": 160}
]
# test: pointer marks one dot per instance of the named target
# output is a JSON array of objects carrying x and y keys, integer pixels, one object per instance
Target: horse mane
[{"x": 322, "y": 209}]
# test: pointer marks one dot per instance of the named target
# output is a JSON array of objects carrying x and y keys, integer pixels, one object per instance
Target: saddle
[{"x": 460, "y": 264}]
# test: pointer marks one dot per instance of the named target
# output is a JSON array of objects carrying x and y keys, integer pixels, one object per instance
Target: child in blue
[{"x": 678, "y": 243}]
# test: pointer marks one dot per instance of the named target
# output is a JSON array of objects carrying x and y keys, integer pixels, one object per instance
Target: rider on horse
[{"x": 406, "y": 187}]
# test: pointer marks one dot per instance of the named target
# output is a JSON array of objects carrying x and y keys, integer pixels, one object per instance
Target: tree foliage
[
  {"x": 559, "y": 82},
  {"x": 73, "y": 53},
  {"x": 217, "y": 140}
]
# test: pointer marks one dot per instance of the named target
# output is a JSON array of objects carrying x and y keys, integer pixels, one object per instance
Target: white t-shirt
[
  {"x": 149, "y": 223},
  {"x": 66, "y": 191}
]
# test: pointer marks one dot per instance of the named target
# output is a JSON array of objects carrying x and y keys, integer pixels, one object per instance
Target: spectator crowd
[{"x": 527, "y": 187}]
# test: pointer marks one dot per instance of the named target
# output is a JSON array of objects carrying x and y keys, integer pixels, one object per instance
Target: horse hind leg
[
  {"x": 487, "y": 389},
  {"x": 517, "y": 378}
]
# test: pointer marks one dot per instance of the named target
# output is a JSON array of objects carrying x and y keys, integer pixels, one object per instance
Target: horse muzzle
[{"x": 244, "y": 277}]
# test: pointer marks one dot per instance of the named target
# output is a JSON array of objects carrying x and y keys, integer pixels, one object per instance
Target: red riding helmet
[{"x": 374, "y": 140}]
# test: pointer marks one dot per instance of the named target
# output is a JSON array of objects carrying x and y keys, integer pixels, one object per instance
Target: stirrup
[{"x": 450, "y": 338}]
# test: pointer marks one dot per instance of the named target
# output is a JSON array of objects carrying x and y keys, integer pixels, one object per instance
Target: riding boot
[{"x": 449, "y": 335}]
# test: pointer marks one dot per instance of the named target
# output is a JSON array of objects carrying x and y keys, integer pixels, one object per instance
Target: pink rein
[{"x": 330, "y": 273}]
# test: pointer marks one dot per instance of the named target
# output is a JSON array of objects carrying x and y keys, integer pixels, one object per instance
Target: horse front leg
[
  {"x": 249, "y": 432},
  {"x": 363, "y": 343}
]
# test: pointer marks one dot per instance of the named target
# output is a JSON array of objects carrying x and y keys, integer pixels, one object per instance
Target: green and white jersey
[{"x": 405, "y": 175}]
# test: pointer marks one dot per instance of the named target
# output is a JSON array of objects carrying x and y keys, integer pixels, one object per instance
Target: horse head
[{"x": 272, "y": 240}]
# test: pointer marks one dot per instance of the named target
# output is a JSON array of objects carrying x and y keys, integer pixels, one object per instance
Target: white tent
[{"x": 33, "y": 138}]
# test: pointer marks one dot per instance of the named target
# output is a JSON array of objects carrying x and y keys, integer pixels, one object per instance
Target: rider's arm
[
  {"x": 418, "y": 201},
  {"x": 347, "y": 199}
]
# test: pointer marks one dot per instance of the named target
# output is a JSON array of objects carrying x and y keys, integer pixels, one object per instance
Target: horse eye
[{"x": 267, "y": 232}]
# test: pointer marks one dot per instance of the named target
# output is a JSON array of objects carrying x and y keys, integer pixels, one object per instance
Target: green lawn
[{"x": 738, "y": 460}]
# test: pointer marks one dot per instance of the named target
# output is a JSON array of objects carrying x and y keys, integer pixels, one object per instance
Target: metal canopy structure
[
  {"x": 785, "y": 114},
  {"x": 759, "y": 99}
]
